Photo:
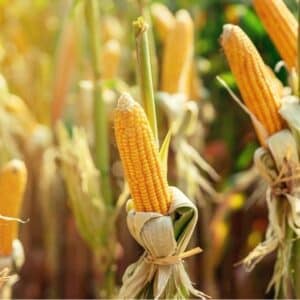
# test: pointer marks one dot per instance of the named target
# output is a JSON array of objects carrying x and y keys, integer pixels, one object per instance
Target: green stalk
[
  {"x": 101, "y": 140},
  {"x": 145, "y": 12},
  {"x": 100, "y": 116},
  {"x": 296, "y": 268},
  {"x": 144, "y": 72}
]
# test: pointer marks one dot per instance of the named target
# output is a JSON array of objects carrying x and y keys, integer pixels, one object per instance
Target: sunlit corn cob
[
  {"x": 253, "y": 78},
  {"x": 140, "y": 158},
  {"x": 13, "y": 178},
  {"x": 281, "y": 26},
  {"x": 178, "y": 55},
  {"x": 111, "y": 54},
  {"x": 163, "y": 20}
]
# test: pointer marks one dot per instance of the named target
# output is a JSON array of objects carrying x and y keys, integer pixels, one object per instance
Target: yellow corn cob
[
  {"x": 140, "y": 158},
  {"x": 253, "y": 78},
  {"x": 178, "y": 55},
  {"x": 163, "y": 20},
  {"x": 281, "y": 26},
  {"x": 110, "y": 59},
  {"x": 13, "y": 178}
]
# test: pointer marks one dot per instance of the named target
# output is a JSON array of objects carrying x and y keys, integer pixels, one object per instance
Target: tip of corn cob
[
  {"x": 163, "y": 19},
  {"x": 15, "y": 168},
  {"x": 230, "y": 33},
  {"x": 125, "y": 102},
  {"x": 227, "y": 28},
  {"x": 183, "y": 16},
  {"x": 13, "y": 178}
]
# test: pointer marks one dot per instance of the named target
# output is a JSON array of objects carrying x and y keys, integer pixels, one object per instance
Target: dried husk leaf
[
  {"x": 279, "y": 164},
  {"x": 290, "y": 111},
  {"x": 157, "y": 235},
  {"x": 183, "y": 119},
  {"x": 9, "y": 266},
  {"x": 82, "y": 182}
]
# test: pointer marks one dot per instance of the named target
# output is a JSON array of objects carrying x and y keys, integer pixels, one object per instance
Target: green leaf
[
  {"x": 245, "y": 158},
  {"x": 185, "y": 216},
  {"x": 164, "y": 151},
  {"x": 229, "y": 79}
]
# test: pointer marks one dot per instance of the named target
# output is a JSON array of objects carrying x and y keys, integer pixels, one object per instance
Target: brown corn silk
[
  {"x": 140, "y": 157},
  {"x": 178, "y": 55},
  {"x": 13, "y": 178},
  {"x": 253, "y": 78},
  {"x": 281, "y": 26}
]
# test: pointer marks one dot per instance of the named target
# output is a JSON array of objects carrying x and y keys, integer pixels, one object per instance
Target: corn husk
[
  {"x": 290, "y": 111},
  {"x": 9, "y": 266},
  {"x": 82, "y": 182},
  {"x": 279, "y": 165},
  {"x": 183, "y": 119},
  {"x": 159, "y": 273}
]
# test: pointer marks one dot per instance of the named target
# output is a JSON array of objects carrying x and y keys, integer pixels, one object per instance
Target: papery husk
[
  {"x": 7, "y": 280},
  {"x": 9, "y": 266},
  {"x": 82, "y": 182},
  {"x": 290, "y": 111},
  {"x": 183, "y": 119},
  {"x": 279, "y": 164},
  {"x": 162, "y": 237}
]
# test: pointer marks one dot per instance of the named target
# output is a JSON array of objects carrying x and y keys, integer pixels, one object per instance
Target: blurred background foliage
[{"x": 29, "y": 42}]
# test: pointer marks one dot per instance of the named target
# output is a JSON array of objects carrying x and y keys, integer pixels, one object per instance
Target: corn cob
[
  {"x": 163, "y": 20},
  {"x": 253, "y": 78},
  {"x": 111, "y": 58},
  {"x": 13, "y": 177},
  {"x": 178, "y": 55},
  {"x": 281, "y": 26},
  {"x": 140, "y": 158}
]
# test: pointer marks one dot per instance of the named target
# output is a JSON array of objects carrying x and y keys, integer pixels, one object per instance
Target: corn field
[{"x": 149, "y": 149}]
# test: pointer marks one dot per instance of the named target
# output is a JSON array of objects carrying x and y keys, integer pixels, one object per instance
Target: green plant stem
[
  {"x": 145, "y": 12},
  {"x": 100, "y": 116},
  {"x": 296, "y": 268},
  {"x": 101, "y": 137},
  {"x": 144, "y": 73}
]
